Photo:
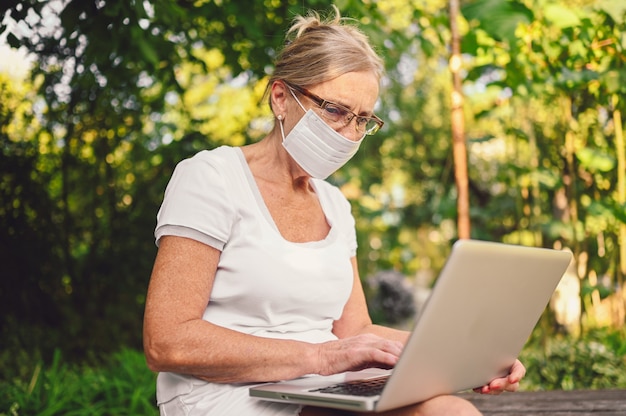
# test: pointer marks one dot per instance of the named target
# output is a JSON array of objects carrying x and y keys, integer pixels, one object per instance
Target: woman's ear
[{"x": 278, "y": 97}]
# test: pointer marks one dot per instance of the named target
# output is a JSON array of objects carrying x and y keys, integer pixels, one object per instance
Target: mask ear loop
[
  {"x": 279, "y": 117},
  {"x": 296, "y": 98}
]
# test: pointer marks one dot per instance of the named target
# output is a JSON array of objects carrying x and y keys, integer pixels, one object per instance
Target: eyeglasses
[{"x": 340, "y": 115}]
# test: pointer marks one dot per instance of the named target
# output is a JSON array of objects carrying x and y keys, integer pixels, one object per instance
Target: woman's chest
[{"x": 299, "y": 217}]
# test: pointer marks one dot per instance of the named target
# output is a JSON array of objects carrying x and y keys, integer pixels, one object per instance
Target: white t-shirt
[{"x": 264, "y": 285}]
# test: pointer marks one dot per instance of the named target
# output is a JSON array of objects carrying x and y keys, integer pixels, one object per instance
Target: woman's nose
[{"x": 350, "y": 132}]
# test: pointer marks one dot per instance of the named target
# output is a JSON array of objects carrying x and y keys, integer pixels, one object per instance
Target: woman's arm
[
  {"x": 356, "y": 319},
  {"x": 177, "y": 339}
]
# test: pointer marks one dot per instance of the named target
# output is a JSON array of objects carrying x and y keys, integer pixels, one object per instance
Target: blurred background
[{"x": 503, "y": 123}]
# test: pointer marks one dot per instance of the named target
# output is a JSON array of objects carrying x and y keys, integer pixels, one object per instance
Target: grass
[{"x": 121, "y": 386}]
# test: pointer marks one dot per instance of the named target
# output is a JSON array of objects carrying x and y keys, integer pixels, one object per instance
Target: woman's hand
[
  {"x": 357, "y": 353},
  {"x": 508, "y": 383}
]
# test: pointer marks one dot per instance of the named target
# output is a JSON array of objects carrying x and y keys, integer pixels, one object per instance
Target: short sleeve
[{"x": 196, "y": 204}]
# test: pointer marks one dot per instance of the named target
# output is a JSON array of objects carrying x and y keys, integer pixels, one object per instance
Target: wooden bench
[{"x": 552, "y": 403}]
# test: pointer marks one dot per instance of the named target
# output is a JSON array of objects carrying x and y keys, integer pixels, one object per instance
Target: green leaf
[
  {"x": 13, "y": 41},
  {"x": 561, "y": 16},
  {"x": 469, "y": 43},
  {"x": 620, "y": 212},
  {"x": 595, "y": 160},
  {"x": 499, "y": 18},
  {"x": 148, "y": 52},
  {"x": 547, "y": 178},
  {"x": 614, "y": 8},
  {"x": 614, "y": 81}
]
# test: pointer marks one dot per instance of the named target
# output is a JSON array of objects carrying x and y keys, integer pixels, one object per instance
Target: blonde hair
[{"x": 318, "y": 50}]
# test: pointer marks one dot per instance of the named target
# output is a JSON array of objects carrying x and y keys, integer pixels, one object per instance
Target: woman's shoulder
[
  {"x": 215, "y": 168},
  {"x": 219, "y": 162},
  {"x": 217, "y": 156}
]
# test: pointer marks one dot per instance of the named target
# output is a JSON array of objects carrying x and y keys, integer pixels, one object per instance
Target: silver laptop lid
[{"x": 485, "y": 304}]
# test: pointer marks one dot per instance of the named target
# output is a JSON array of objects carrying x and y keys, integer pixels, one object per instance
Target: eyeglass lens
[{"x": 339, "y": 114}]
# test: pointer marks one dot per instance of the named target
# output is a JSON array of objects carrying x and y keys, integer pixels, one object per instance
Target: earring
[{"x": 279, "y": 117}]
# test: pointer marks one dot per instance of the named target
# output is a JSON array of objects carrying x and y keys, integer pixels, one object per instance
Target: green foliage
[
  {"x": 121, "y": 385},
  {"x": 504, "y": 17},
  {"x": 552, "y": 99},
  {"x": 120, "y": 94},
  {"x": 597, "y": 361}
]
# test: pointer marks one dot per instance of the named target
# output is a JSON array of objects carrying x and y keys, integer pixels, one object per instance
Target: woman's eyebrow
[{"x": 362, "y": 113}]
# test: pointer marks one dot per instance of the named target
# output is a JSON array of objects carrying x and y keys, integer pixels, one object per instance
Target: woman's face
[{"x": 357, "y": 91}]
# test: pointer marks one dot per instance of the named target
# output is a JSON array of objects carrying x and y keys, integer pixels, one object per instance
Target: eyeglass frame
[{"x": 322, "y": 103}]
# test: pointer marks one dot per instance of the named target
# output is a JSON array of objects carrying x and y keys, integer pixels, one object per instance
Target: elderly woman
[{"x": 256, "y": 275}]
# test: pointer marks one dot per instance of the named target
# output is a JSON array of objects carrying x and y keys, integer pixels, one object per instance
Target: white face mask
[{"x": 317, "y": 147}]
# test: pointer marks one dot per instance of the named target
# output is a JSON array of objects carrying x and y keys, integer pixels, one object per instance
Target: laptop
[{"x": 481, "y": 311}]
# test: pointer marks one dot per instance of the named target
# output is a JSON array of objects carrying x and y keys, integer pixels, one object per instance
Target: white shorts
[{"x": 212, "y": 399}]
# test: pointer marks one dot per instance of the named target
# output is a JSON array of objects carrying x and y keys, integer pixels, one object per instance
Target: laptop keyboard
[{"x": 367, "y": 387}]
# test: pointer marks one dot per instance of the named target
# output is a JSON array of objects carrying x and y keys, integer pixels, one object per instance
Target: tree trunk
[
  {"x": 620, "y": 150},
  {"x": 458, "y": 128}
]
